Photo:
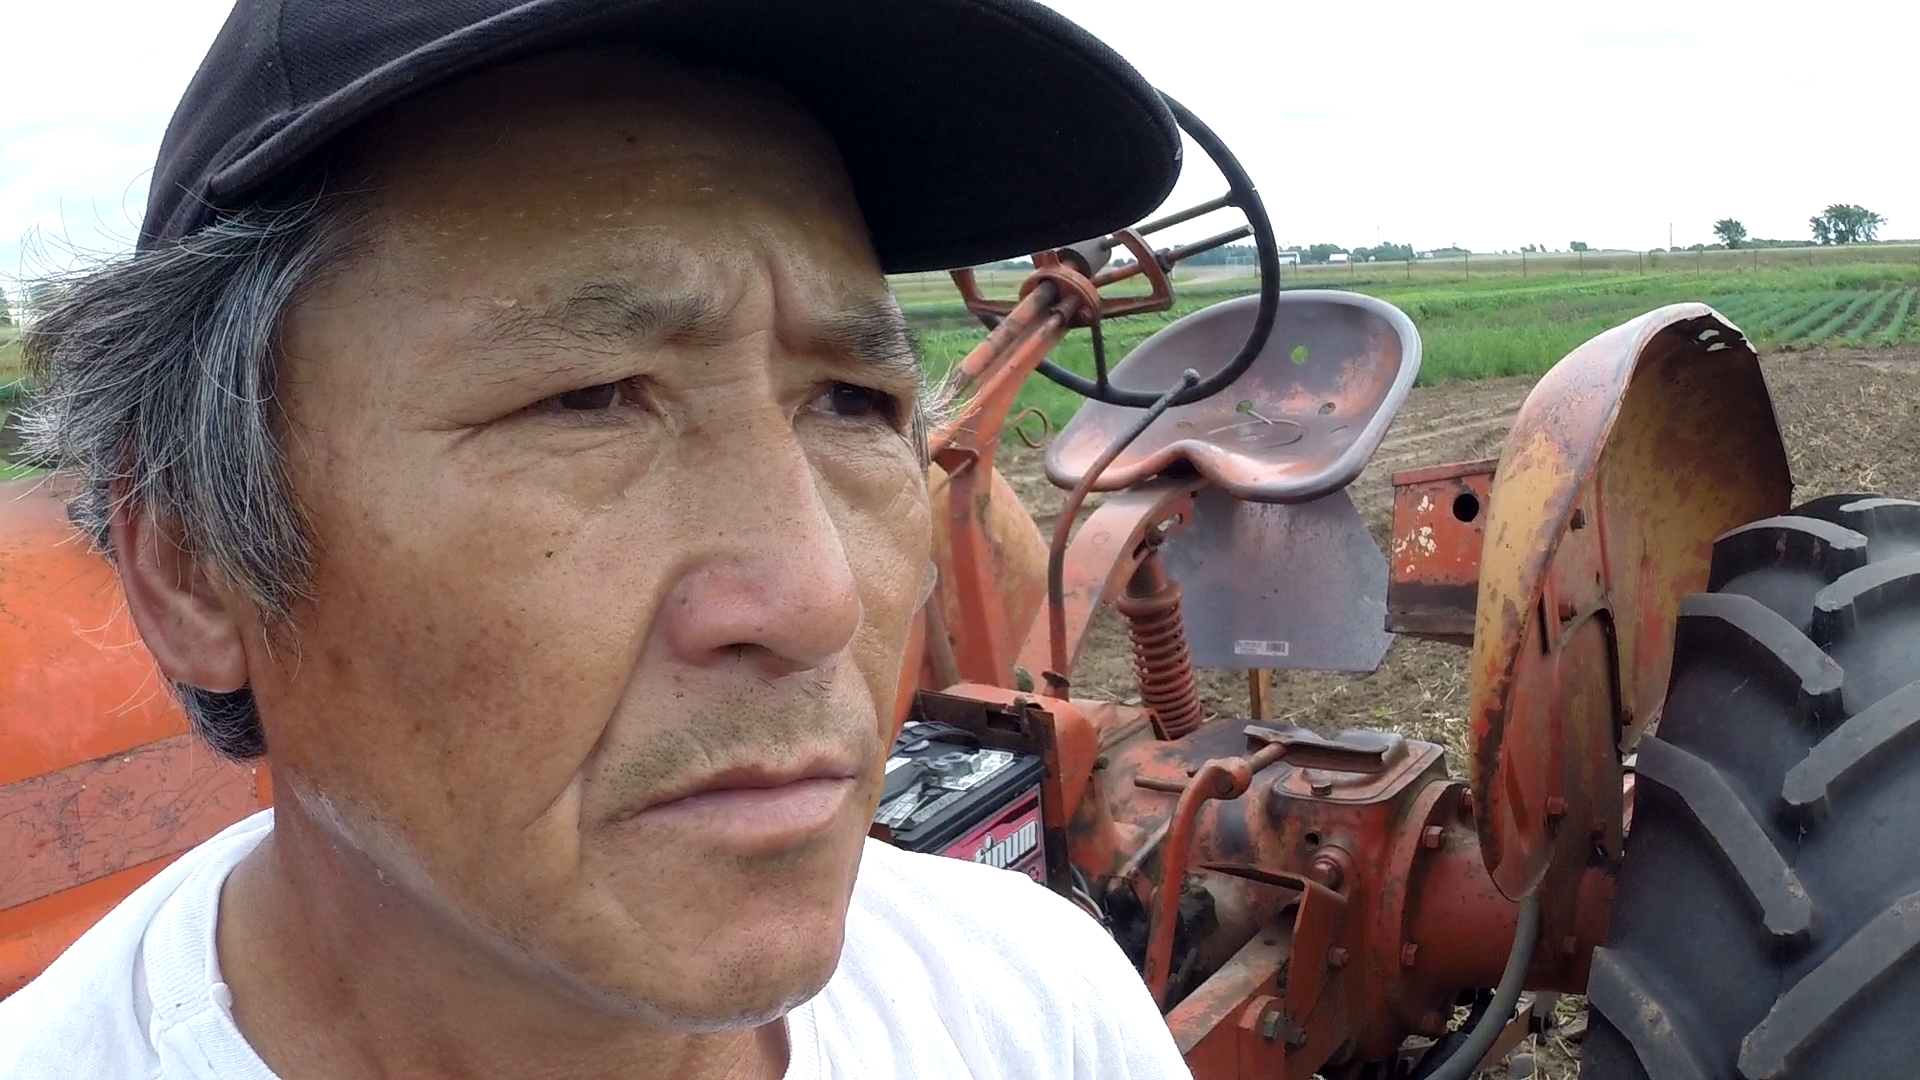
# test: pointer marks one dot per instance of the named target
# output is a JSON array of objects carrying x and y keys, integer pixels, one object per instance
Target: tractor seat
[{"x": 1298, "y": 424}]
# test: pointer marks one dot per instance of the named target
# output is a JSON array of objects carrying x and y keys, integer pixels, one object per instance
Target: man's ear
[{"x": 193, "y": 627}]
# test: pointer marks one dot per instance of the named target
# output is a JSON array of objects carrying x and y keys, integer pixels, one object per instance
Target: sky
[{"x": 1483, "y": 123}]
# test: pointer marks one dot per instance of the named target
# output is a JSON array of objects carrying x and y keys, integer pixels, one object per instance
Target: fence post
[{"x": 1466, "y": 261}]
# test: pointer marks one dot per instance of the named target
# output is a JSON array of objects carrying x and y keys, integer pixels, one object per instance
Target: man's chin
[
  {"x": 753, "y": 978},
  {"x": 723, "y": 942}
]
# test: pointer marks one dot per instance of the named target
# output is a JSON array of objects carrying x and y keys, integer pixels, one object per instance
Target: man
[{"x": 504, "y": 427}]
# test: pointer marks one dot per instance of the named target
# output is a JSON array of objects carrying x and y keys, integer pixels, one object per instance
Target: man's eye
[
  {"x": 856, "y": 402},
  {"x": 588, "y": 398}
]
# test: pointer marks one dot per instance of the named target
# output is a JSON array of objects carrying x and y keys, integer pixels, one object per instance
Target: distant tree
[
  {"x": 1730, "y": 232},
  {"x": 6, "y": 310},
  {"x": 1384, "y": 252},
  {"x": 1578, "y": 245},
  {"x": 1845, "y": 223},
  {"x": 1318, "y": 253}
]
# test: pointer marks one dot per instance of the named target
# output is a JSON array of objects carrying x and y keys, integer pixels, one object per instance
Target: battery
[{"x": 947, "y": 797}]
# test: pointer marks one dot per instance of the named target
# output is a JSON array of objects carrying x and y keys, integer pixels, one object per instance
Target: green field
[{"x": 1487, "y": 324}]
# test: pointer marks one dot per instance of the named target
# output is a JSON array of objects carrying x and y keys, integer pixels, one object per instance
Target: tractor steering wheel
[{"x": 1242, "y": 196}]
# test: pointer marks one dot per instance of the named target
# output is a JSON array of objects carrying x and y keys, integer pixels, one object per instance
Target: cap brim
[{"x": 973, "y": 130}]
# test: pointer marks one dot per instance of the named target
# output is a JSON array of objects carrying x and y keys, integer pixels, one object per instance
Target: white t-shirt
[{"x": 950, "y": 970}]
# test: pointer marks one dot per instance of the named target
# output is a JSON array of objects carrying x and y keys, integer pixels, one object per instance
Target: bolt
[
  {"x": 1326, "y": 870},
  {"x": 1567, "y": 610},
  {"x": 1556, "y": 807},
  {"x": 1569, "y": 945},
  {"x": 1322, "y": 788},
  {"x": 1579, "y": 519},
  {"x": 1337, "y": 957},
  {"x": 1409, "y": 954},
  {"x": 1431, "y": 836},
  {"x": 1270, "y": 1024},
  {"x": 1466, "y": 803}
]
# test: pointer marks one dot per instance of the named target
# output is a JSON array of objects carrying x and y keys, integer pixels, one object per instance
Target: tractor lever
[
  {"x": 1258, "y": 874},
  {"x": 1303, "y": 749}
]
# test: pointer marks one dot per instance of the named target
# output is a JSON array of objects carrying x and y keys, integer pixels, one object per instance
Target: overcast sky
[{"x": 1486, "y": 123}]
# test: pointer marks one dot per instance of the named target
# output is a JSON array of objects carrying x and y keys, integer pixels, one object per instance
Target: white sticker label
[
  {"x": 895, "y": 762},
  {"x": 1249, "y": 647}
]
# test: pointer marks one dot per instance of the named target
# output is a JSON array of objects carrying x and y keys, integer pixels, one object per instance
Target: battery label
[{"x": 1010, "y": 842}]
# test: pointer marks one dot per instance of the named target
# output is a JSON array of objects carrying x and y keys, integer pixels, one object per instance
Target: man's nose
[{"x": 775, "y": 584}]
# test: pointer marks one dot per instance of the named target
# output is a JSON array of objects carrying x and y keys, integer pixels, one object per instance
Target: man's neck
[{"x": 332, "y": 980}]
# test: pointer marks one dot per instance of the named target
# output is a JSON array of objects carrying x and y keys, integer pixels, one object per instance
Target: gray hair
[{"x": 153, "y": 381}]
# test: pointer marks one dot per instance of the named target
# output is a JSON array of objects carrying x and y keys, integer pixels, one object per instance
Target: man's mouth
[{"x": 755, "y": 810}]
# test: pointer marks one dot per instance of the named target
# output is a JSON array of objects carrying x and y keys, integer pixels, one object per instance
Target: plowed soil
[{"x": 1851, "y": 421}]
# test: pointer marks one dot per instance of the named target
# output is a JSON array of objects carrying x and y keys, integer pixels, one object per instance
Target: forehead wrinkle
[{"x": 608, "y": 314}]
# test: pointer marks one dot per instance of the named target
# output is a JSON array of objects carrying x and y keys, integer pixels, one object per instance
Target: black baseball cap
[{"x": 974, "y": 130}]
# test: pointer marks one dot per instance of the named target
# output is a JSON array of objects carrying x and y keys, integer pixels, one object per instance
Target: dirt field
[{"x": 1851, "y": 421}]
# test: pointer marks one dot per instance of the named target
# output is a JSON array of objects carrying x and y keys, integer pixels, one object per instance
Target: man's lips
[{"x": 755, "y": 809}]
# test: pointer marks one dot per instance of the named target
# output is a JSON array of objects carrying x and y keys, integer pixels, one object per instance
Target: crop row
[{"x": 1852, "y": 317}]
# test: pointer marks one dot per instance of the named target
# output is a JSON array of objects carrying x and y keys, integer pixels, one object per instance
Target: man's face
[{"x": 604, "y": 438}]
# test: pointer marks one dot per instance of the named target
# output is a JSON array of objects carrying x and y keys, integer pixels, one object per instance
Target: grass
[
  {"x": 12, "y": 376},
  {"x": 1495, "y": 324},
  {"x": 12, "y": 366}
]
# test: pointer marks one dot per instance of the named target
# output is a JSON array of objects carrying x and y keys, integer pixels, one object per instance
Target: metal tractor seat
[{"x": 1299, "y": 424}]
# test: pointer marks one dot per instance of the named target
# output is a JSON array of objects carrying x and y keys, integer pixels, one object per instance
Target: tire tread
[{"x": 1843, "y": 685}]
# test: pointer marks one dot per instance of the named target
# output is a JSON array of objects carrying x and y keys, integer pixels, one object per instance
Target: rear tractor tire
[{"x": 1768, "y": 920}]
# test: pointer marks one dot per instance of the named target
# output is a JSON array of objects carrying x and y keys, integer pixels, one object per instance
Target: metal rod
[
  {"x": 999, "y": 342},
  {"x": 1169, "y": 256},
  {"x": 1099, "y": 354},
  {"x": 1062, "y": 529},
  {"x": 1131, "y": 868},
  {"x": 1188, "y": 251},
  {"x": 1178, "y": 217}
]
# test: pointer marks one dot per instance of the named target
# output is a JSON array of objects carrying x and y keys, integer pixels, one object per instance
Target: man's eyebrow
[
  {"x": 874, "y": 335},
  {"x": 612, "y": 314},
  {"x": 609, "y": 313}
]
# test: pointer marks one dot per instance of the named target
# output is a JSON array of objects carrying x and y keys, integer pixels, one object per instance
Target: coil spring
[{"x": 1161, "y": 661}]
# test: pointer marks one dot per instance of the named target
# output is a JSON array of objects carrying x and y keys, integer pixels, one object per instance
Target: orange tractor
[{"x": 1656, "y": 640}]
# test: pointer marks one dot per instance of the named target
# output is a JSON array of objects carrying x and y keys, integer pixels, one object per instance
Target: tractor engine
[{"x": 1334, "y": 895}]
